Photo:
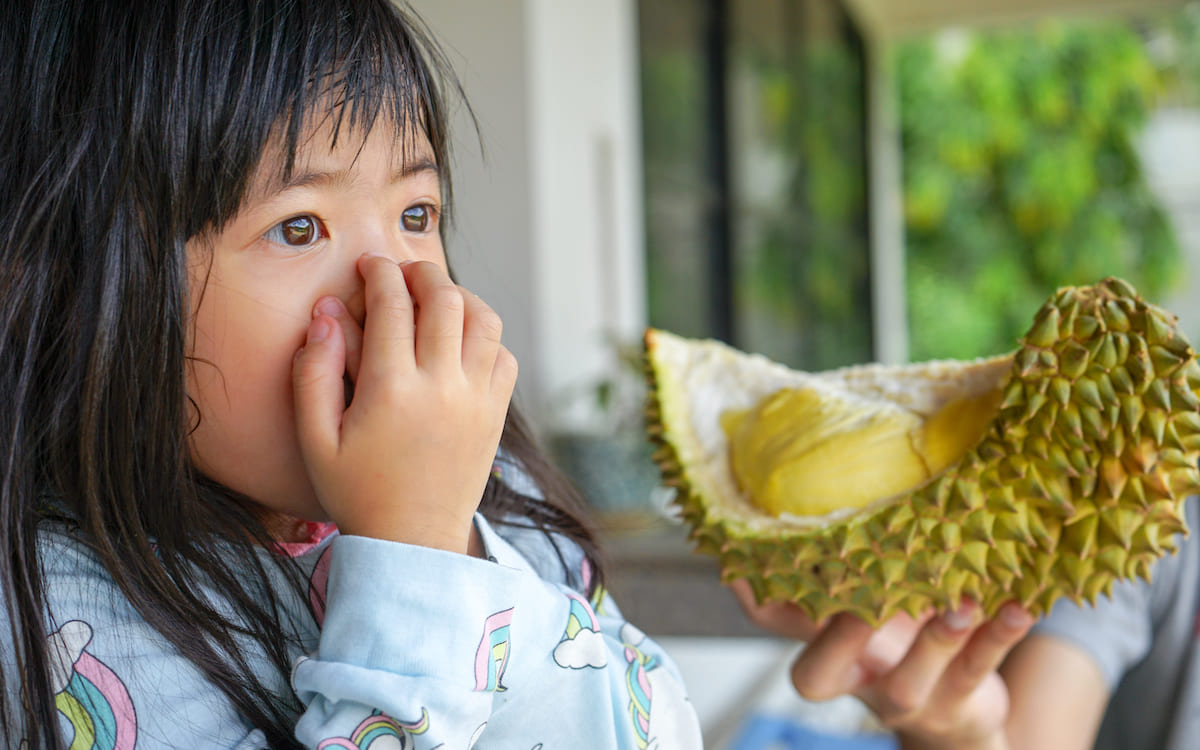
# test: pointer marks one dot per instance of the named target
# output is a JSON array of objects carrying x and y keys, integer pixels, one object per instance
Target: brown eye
[
  {"x": 416, "y": 219},
  {"x": 298, "y": 231}
]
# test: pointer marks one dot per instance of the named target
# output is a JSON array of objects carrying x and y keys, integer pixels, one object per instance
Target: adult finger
[
  {"x": 828, "y": 667},
  {"x": 440, "y": 309},
  {"x": 782, "y": 618},
  {"x": 907, "y": 688},
  {"x": 352, "y": 332},
  {"x": 388, "y": 330},
  {"x": 318, "y": 390},
  {"x": 481, "y": 334},
  {"x": 983, "y": 654}
]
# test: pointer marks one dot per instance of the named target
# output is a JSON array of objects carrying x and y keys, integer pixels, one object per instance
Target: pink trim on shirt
[{"x": 317, "y": 533}]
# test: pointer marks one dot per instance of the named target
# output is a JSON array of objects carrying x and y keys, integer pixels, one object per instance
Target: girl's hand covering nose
[{"x": 408, "y": 459}]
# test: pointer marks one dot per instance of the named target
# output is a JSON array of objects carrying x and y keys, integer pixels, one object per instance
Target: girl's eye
[
  {"x": 417, "y": 218},
  {"x": 298, "y": 231}
]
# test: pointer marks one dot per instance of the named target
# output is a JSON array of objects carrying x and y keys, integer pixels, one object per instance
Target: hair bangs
[{"x": 300, "y": 65}]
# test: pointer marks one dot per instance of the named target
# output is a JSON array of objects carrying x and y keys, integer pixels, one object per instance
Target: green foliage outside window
[{"x": 1021, "y": 175}]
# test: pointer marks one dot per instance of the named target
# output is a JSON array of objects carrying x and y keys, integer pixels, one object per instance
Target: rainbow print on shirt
[
  {"x": 93, "y": 699},
  {"x": 379, "y": 728},
  {"x": 492, "y": 655},
  {"x": 582, "y": 646}
]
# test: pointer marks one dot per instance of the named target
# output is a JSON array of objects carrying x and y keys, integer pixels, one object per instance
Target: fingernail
[
  {"x": 328, "y": 306},
  {"x": 958, "y": 619},
  {"x": 852, "y": 678},
  {"x": 319, "y": 330},
  {"x": 1015, "y": 617}
]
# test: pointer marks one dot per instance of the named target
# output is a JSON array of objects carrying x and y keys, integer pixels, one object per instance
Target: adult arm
[{"x": 1058, "y": 695}]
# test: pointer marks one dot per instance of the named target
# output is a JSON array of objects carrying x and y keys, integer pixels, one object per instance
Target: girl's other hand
[
  {"x": 408, "y": 459},
  {"x": 933, "y": 680}
]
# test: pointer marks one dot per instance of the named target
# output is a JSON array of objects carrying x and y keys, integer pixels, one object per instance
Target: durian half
[{"x": 1048, "y": 472}]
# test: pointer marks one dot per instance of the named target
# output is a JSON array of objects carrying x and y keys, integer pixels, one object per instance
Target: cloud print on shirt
[{"x": 586, "y": 649}]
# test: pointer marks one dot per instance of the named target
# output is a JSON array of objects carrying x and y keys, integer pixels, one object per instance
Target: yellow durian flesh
[
  {"x": 810, "y": 451},
  {"x": 1077, "y": 481}
]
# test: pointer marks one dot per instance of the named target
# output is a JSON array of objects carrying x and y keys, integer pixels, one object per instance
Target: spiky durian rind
[{"x": 1078, "y": 482}]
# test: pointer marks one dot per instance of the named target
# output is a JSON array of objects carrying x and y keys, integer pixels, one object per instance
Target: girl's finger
[
  {"x": 481, "y": 335},
  {"x": 440, "y": 309},
  {"x": 318, "y": 391},
  {"x": 907, "y": 688},
  {"x": 352, "y": 332},
  {"x": 388, "y": 330},
  {"x": 828, "y": 667},
  {"x": 983, "y": 653},
  {"x": 504, "y": 375}
]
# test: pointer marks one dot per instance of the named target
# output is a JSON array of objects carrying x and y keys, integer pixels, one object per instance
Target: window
[{"x": 756, "y": 176}]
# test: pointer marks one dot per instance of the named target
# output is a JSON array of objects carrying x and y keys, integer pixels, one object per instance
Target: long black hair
[{"x": 132, "y": 126}]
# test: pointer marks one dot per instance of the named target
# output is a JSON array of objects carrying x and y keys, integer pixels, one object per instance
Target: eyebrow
[{"x": 297, "y": 179}]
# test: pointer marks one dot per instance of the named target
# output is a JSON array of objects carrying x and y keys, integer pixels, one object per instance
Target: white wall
[{"x": 549, "y": 217}]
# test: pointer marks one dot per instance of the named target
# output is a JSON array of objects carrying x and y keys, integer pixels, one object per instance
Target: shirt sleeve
[{"x": 439, "y": 649}]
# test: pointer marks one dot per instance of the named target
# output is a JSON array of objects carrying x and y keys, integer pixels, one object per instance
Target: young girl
[{"x": 260, "y": 482}]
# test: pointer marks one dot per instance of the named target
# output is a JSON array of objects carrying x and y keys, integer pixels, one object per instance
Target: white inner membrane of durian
[{"x": 699, "y": 381}]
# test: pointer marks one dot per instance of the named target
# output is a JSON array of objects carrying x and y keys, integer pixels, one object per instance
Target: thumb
[{"x": 318, "y": 389}]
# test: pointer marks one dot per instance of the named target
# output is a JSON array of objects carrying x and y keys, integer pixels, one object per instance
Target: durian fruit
[{"x": 1052, "y": 471}]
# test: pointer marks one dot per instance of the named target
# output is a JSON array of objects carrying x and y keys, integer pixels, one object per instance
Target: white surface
[{"x": 548, "y": 223}]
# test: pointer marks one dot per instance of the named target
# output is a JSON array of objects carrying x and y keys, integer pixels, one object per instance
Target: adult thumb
[{"x": 318, "y": 389}]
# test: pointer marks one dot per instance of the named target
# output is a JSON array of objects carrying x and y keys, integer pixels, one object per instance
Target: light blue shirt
[{"x": 409, "y": 648}]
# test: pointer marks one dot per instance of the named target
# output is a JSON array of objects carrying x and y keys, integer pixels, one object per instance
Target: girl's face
[{"x": 254, "y": 287}]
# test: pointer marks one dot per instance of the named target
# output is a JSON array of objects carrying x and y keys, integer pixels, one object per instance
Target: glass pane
[
  {"x": 680, "y": 192},
  {"x": 797, "y": 149}
]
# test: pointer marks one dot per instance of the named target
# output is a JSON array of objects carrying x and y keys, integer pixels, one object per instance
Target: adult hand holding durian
[{"x": 1052, "y": 471}]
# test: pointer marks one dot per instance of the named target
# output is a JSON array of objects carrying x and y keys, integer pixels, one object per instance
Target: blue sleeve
[{"x": 439, "y": 649}]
